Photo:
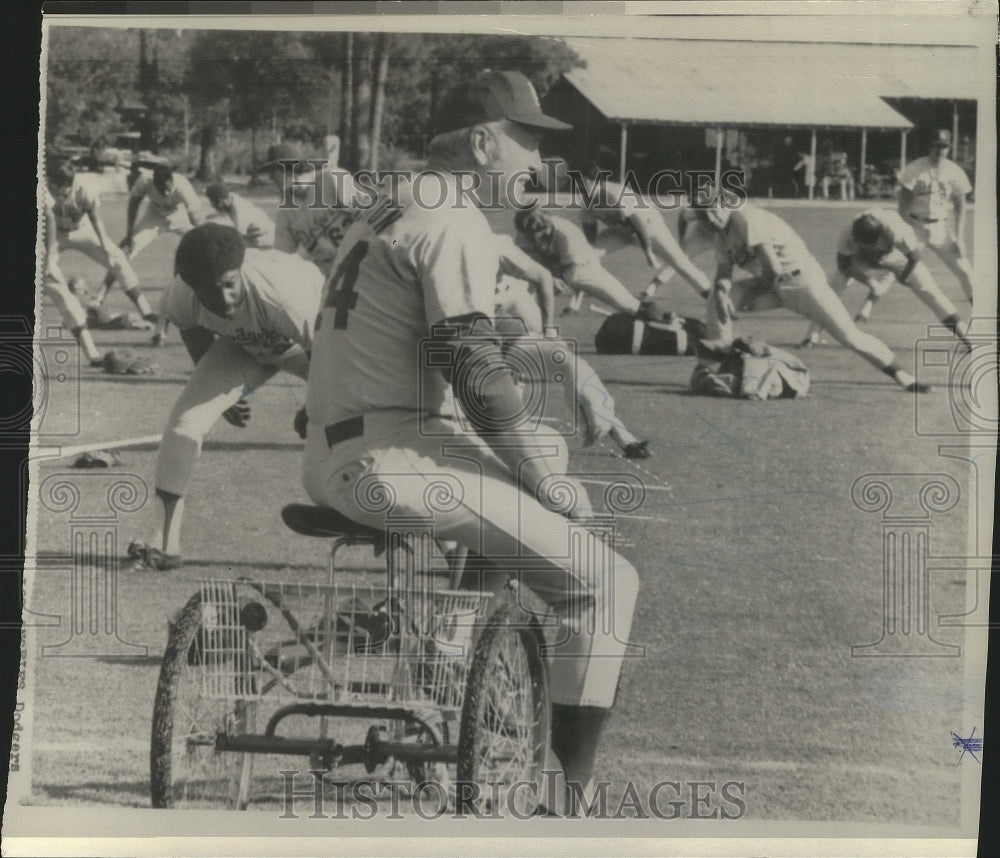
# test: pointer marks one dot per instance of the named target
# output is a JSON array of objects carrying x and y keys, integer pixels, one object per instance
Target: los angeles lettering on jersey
[{"x": 272, "y": 341}]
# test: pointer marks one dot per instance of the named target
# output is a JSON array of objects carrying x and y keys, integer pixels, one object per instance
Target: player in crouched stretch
[
  {"x": 561, "y": 246},
  {"x": 785, "y": 275},
  {"x": 878, "y": 249},
  {"x": 411, "y": 283},
  {"x": 314, "y": 205},
  {"x": 74, "y": 200},
  {"x": 630, "y": 218},
  {"x": 256, "y": 228},
  {"x": 526, "y": 315},
  {"x": 243, "y": 315}
]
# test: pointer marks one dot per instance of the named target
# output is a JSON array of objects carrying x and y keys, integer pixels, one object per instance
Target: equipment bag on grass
[
  {"x": 749, "y": 370},
  {"x": 625, "y": 334}
]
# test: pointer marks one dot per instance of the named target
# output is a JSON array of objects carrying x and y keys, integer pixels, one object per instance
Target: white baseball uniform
[
  {"x": 72, "y": 208},
  {"x": 801, "y": 284},
  {"x": 251, "y": 222},
  {"x": 164, "y": 212},
  {"x": 272, "y": 329},
  {"x": 933, "y": 188},
  {"x": 571, "y": 257},
  {"x": 316, "y": 231},
  {"x": 618, "y": 208},
  {"x": 377, "y": 447},
  {"x": 54, "y": 283}
]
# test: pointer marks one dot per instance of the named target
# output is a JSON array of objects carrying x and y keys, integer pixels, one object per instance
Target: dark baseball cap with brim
[
  {"x": 940, "y": 137},
  {"x": 281, "y": 152},
  {"x": 491, "y": 96}
]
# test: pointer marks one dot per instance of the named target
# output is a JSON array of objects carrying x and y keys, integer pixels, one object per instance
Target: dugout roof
[{"x": 754, "y": 84}]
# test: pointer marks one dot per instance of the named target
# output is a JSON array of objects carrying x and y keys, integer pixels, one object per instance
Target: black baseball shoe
[
  {"x": 918, "y": 387},
  {"x": 637, "y": 450},
  {"x": 147, "y": 558}
]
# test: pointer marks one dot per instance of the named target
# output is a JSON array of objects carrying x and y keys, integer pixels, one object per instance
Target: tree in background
[
  {"x": 253, "y": 78},
  {"x": 91, "y": 71},
  {"x": 377, "y": 91},
  {"x": 162, "y": 67}
]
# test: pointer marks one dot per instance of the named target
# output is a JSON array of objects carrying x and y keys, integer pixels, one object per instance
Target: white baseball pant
[
  {"x": 225, "y": 373},
  {"x": 405, "y": 465}
]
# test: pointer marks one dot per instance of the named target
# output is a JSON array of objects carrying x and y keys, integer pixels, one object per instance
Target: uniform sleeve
[
  {"x": 456, "y": 262},
  {"x": 141, "y": 187},
  {"x": 295, "y": 317},
  {"x": 180, "y": 305},
  {"x": 961, "y": 184},
  {"x": 908, "y": 176}
]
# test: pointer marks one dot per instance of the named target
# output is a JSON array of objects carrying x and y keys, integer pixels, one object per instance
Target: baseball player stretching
[
  {"x": 786, "y": 275},
  {"x": 256, "y": 228},
  {"x": 562, "y": 247},
  {"x": 314, "y": 205},
  {"x": 74, "y": 317},
  {"x": 418, "y": 273},
  {"x": 878, "y": 248},
  {"x": 930, "y": 190},
  {"x": 75, "y": 203},
  {"x": 521, "y": 313},
  {"x": 243, "y": 315},
  {"x": 630, "y": 218}
]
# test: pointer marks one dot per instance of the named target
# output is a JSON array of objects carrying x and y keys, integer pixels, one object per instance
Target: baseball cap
[
  {"x": 940, "y": 137},
  {"x": 491, "y": 96},
  {"x": 280, "y": 152}
]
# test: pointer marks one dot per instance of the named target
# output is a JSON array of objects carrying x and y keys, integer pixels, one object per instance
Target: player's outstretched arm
[
  {"x": 515, "y": 261},
  {"x": 670, "y": 250},
  {"x": 484, "y": 387}
]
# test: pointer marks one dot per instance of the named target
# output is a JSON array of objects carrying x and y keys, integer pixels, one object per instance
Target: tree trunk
[
  {"x": 253, "y": 156},
  {"x": 206, "y": 162},
  {"x": 362, "y": 100},
  {"x": 347, "y": 101},
  {"x": 187, "y": 129},
  {"x": 382, "y": 49},
  {"x": 147, "y": 85}
]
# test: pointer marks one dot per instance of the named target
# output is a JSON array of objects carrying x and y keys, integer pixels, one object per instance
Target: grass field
[{"x": 758, "y": 572}]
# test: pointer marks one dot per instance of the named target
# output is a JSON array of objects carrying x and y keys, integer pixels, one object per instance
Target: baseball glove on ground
[{"x": 123, "y": 362}]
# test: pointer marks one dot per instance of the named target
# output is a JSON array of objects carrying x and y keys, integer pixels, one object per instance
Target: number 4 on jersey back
[{"x": 341, "y": 295}]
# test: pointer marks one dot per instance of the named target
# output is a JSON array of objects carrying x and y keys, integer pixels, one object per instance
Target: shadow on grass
[
  {"x": 131, "y": 660},
  {"x": 116, "y": 793},
  {"x": 134, "y": 379},
  {"x": 252, "y": 564}
]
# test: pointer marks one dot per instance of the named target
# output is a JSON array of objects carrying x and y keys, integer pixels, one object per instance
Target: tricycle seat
[{"x": 326, "y": 522}]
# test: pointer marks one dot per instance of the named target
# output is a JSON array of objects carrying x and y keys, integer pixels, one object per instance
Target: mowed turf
[{"x": 758, "y": 572}]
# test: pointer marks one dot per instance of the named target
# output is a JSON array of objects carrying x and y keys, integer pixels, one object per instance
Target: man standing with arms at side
[{"x": 932, "y": 192}]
